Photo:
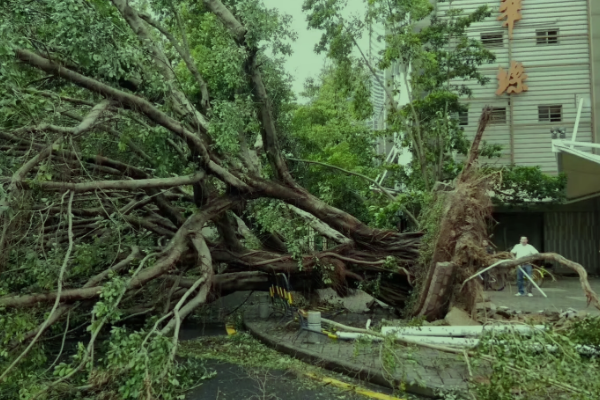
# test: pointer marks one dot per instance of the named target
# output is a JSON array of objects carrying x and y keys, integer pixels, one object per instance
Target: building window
[
  {"x": 546, "y": 36},
  {"x": 550, "y": 113},
  {"x": 463, "y": 118},
  {"x": 493, "y": 39},
  {"x": 498, "y": 115}
]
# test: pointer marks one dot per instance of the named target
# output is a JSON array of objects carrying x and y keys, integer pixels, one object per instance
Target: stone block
[{"x": 458, "y": 317}]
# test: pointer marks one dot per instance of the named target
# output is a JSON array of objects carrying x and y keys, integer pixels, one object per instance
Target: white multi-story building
[
  {"x": 550, "y": 39},
  {"x": 389, "y": 147}
]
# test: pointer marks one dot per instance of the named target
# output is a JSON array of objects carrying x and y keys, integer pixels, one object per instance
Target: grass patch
[{"x": 242, "y": 349}]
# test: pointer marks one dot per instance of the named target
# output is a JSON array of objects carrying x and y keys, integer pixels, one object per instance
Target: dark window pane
[
  {"x": 498, "y": 115},
  {"x": 495, "y": 39}
]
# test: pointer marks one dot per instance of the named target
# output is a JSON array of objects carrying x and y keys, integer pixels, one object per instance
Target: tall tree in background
[
  {"x": 427, "y": 55},
  {"x": 331, "y": 131}
]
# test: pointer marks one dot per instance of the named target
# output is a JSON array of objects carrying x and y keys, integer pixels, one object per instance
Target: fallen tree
[
  {"x": 150, "y": 184},
  {"x": 146, "y": 129}
]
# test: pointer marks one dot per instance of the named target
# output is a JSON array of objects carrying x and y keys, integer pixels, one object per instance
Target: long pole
[
  {"x": 574, "y": 137},
  {"x": 531, "y": 280}
]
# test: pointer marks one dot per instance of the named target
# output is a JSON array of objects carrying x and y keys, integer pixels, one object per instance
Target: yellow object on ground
[
  {"x": 352, "y": 388},
  {"x": 230, "y": 330}
]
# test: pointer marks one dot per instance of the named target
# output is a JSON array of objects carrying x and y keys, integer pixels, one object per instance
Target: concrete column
[{"x": 314, "y": 327}]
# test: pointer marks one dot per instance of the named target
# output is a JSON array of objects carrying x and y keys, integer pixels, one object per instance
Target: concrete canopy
[{"x": 582, "y": 168}]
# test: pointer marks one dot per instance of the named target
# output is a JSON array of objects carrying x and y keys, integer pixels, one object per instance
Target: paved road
[{"x": 233, "y": 382}]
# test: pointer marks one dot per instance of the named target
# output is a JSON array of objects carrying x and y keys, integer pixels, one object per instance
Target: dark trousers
[{"x": 522, "y": 285}]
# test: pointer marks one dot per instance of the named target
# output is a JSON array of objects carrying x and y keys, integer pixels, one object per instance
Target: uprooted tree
[{"x": 142, "y": 157}]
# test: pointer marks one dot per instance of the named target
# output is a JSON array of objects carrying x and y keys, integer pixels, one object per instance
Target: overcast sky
[{"x": 305, "y": 63}]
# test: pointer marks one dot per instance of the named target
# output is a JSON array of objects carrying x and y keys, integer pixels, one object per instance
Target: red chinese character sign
[
  {"x": 510, "y": 11},
  {"x": 512, "y": 81}
]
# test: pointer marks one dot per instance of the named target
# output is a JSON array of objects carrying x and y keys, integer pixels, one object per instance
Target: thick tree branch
[
  {"x": 237, "y": 30},
  {"x": 404, "y": 245},
  {"x": 224, "y": 284},
  {"x": 227, "y": 231},
  {"x": 268, "y": 131},
  {"x": 205, "y": 260},
  {"x": 135, "y": 103},
  {"x": 171, "y": 255}
]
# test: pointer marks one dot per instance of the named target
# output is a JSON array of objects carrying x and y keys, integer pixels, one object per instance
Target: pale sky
[{"x": 304, "y": 62}]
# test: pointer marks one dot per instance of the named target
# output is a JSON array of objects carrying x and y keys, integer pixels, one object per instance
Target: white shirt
[{"x": 524, "y": 250}]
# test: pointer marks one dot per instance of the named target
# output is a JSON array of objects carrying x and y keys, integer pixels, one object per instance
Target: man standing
[{"x": 522, "y": 250}]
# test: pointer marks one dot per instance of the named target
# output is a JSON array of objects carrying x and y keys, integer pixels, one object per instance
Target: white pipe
[
  {"x": 354, "y": 335},
  {"x": 559, "y": 142},
  {"x": 454, "y": 342},
  {"x": 457, "y": 331},
  {"x": 463, "y": 342},
  {"x": 577, "y": 121},
  {"x": 442, "y": 341}
]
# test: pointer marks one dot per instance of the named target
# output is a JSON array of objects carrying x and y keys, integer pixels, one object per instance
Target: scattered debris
[
  {"x": 570, "y": 313},
  {"x": 357, "y": 302},
  {"x": 486, "y": 306}
]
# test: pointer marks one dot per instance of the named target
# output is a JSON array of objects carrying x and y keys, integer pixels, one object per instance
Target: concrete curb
[{"x": 347, "y": 368}]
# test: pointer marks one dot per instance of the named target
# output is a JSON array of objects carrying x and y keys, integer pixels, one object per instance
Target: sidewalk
[
  {"x": 563, "y": 294},
  {"x": 419, "y": 371}
]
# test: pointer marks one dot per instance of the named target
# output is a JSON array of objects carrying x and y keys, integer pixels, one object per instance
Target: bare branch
[
  {"x": 157, "y": 183},
  {"x": 184, "y": 53},
  {"x": 592, "y": 297},
  {"x": 484, "y": 120},
  {"x": 160, "y": 60}
]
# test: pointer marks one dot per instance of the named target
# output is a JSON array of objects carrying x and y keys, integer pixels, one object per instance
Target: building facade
[
  {"x": 544, "y": 86},
  {"x": 542, "y": 82}
]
